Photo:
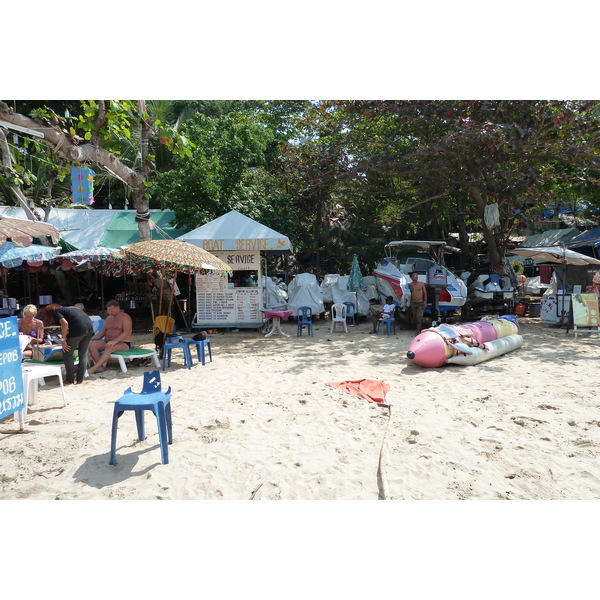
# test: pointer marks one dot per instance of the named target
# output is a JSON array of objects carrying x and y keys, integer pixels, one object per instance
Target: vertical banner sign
[{"x": 12, "y": 397}]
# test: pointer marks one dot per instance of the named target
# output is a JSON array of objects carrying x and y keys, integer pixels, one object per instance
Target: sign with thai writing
[{"x": 12, "y": 397}]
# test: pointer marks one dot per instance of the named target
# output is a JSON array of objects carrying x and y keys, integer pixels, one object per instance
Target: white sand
[{"x": 260, "y": 419}]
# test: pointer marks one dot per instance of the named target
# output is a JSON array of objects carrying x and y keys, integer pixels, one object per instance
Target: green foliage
[
  {"x": 225, "y": 171},
  {"x": 337, "y": 177}
]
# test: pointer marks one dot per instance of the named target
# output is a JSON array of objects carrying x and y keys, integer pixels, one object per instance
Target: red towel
[
  {"x": 368, "y": 389},
  {"x": 545, "y": 273}
]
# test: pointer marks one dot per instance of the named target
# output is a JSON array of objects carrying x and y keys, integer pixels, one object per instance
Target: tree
[
  {"x": 93, "y": 136},
  {"x": 493, "y": 153}
]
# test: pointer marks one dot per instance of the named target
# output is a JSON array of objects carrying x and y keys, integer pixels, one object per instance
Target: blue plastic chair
[
  {"x": 305, "y": 318},
  {"x": 173, "y": 341},
  {"x": 351, "y": 312},
  {"x": 200, "y": 349},
  {"x": 150, "y": 398},
  {"x": 389, "y": 324}
]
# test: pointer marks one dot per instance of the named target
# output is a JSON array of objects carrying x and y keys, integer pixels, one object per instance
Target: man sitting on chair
[
  {"x": 114, "y": 336},
  {"x": 388, "y": 312}
]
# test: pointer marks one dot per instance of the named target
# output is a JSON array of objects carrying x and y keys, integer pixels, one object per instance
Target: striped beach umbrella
[{"x": 173, "y": 256}]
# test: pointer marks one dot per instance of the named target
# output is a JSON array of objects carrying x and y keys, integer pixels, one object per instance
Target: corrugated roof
[
  {"x": 587, "y": 238},
  {"x": 551, "y": 237}
]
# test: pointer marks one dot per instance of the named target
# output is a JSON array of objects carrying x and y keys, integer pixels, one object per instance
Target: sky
[{"x": 317, "y": 50}]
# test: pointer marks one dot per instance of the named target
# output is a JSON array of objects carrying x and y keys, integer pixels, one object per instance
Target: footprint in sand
[{"x": 412, "y": 437}]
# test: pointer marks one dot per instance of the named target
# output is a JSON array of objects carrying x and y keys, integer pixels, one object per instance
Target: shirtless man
[
  {"x": 418, "y": 299},
  {"x": 114, "y": 336}
]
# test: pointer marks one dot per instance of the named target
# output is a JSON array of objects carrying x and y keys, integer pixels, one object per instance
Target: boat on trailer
[{"x": 446, "y": 291}]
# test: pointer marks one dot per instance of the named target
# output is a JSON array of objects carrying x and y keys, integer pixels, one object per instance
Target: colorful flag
[{"x": 82, "y": 185}]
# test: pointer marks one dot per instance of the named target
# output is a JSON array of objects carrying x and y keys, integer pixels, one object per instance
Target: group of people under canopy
[{"x": 76, "y": 335}]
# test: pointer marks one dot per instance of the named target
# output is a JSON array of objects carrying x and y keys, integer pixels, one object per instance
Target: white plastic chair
[{"x": 338, "y": 315}]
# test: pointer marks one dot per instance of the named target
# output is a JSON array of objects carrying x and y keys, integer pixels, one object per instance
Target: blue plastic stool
[
  {"x": 351, "y": 312},
  {"x": 172, "y": 342},
  {"x": 305, "y": 318},
  {"x": 389, "y": 324},
  {"x": 150, "y": 398},
  {"x": 200, "y": 345}
]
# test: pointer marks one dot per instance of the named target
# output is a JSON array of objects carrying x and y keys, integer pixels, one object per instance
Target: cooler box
[{"x": 49, "y": 353}]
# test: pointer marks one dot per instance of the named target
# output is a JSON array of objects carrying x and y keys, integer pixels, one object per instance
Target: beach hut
[{"x": 242, "y": 243}]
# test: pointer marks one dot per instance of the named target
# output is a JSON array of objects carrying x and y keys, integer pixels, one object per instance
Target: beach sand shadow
[{"x": 96, "y": 471}]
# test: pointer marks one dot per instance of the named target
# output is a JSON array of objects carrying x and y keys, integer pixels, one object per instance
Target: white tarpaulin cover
[
  {"x": 275, "y": 297},
  {"x": 334, "y": 290},
  {"x": 304, "y": 290},
  {"x": 235, "y": 231}
]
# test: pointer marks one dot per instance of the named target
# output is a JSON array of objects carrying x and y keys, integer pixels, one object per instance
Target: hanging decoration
[{"x": 82, "y": 185}]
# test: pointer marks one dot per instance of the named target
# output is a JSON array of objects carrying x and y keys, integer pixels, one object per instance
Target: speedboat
[{"x": 446, "y": 291}]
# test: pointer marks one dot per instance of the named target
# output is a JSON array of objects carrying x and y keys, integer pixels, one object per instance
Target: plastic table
[
  {"x": 32, "y": 373},
  {"x": 276, "y": 316}
]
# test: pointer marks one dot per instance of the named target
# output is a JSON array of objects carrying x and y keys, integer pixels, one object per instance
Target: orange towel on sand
[{"x": 368, "y": 389}]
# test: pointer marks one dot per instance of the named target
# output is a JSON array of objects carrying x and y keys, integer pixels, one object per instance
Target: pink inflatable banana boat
[{"x": 465, "y": 344}]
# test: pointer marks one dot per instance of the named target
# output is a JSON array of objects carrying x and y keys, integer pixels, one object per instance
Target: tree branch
[
  {"x": 15, "y": 189},
  {"x": 65, "y": 147}
]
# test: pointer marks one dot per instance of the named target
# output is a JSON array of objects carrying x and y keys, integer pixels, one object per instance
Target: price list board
[
  {"x": 12, "y": 397},
  {"x": 247, "y": 303},
  {"x": 216, "y": 304}
]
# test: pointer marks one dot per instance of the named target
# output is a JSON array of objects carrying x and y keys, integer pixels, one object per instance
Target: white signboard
[
  {"x": 218, "y": 304},
  {"x": 240, "y": 261}
]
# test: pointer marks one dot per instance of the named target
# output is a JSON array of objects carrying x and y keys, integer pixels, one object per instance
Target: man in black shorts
[
  {"x": 76, "y": 331},
  {"x": 114, "y": 336}
]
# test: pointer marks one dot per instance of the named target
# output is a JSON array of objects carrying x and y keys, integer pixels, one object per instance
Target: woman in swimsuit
[{"x": 32, "y": 328}]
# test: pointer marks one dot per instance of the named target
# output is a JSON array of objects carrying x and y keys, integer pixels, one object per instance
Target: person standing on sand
[
  {"x": 418, "y": 300},
  {"x": 76, "y": 332},
  {"x": 114, "y": 336}
]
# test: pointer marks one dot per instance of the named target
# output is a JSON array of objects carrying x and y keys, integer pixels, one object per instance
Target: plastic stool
[
  {"x": 200, "y": 345},
  {"x": 172, "y": 343}
]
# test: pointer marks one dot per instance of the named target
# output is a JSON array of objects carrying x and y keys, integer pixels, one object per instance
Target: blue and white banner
[{"x": 12, "y": 397}]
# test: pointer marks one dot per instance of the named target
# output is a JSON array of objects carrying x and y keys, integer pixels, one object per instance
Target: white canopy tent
[
  {"x": 235, "y": 231},
  {"x": 242, "y": 243}
]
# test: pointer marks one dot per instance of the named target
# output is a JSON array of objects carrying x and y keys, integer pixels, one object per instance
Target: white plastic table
[
  {"x": 276, "y": 316},
  {"x": 32, "y": 373}
]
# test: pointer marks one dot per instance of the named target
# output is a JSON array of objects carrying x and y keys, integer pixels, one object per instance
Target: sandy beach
[{"x": 260, "y": 422}]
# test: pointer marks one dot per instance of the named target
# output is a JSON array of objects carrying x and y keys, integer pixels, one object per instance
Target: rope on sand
[{"x": 381, "y": 474}]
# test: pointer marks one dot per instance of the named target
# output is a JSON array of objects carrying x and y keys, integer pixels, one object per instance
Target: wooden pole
[
  {"x": 160, "y": 298},
  {"x": 172, "y": 293}
]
